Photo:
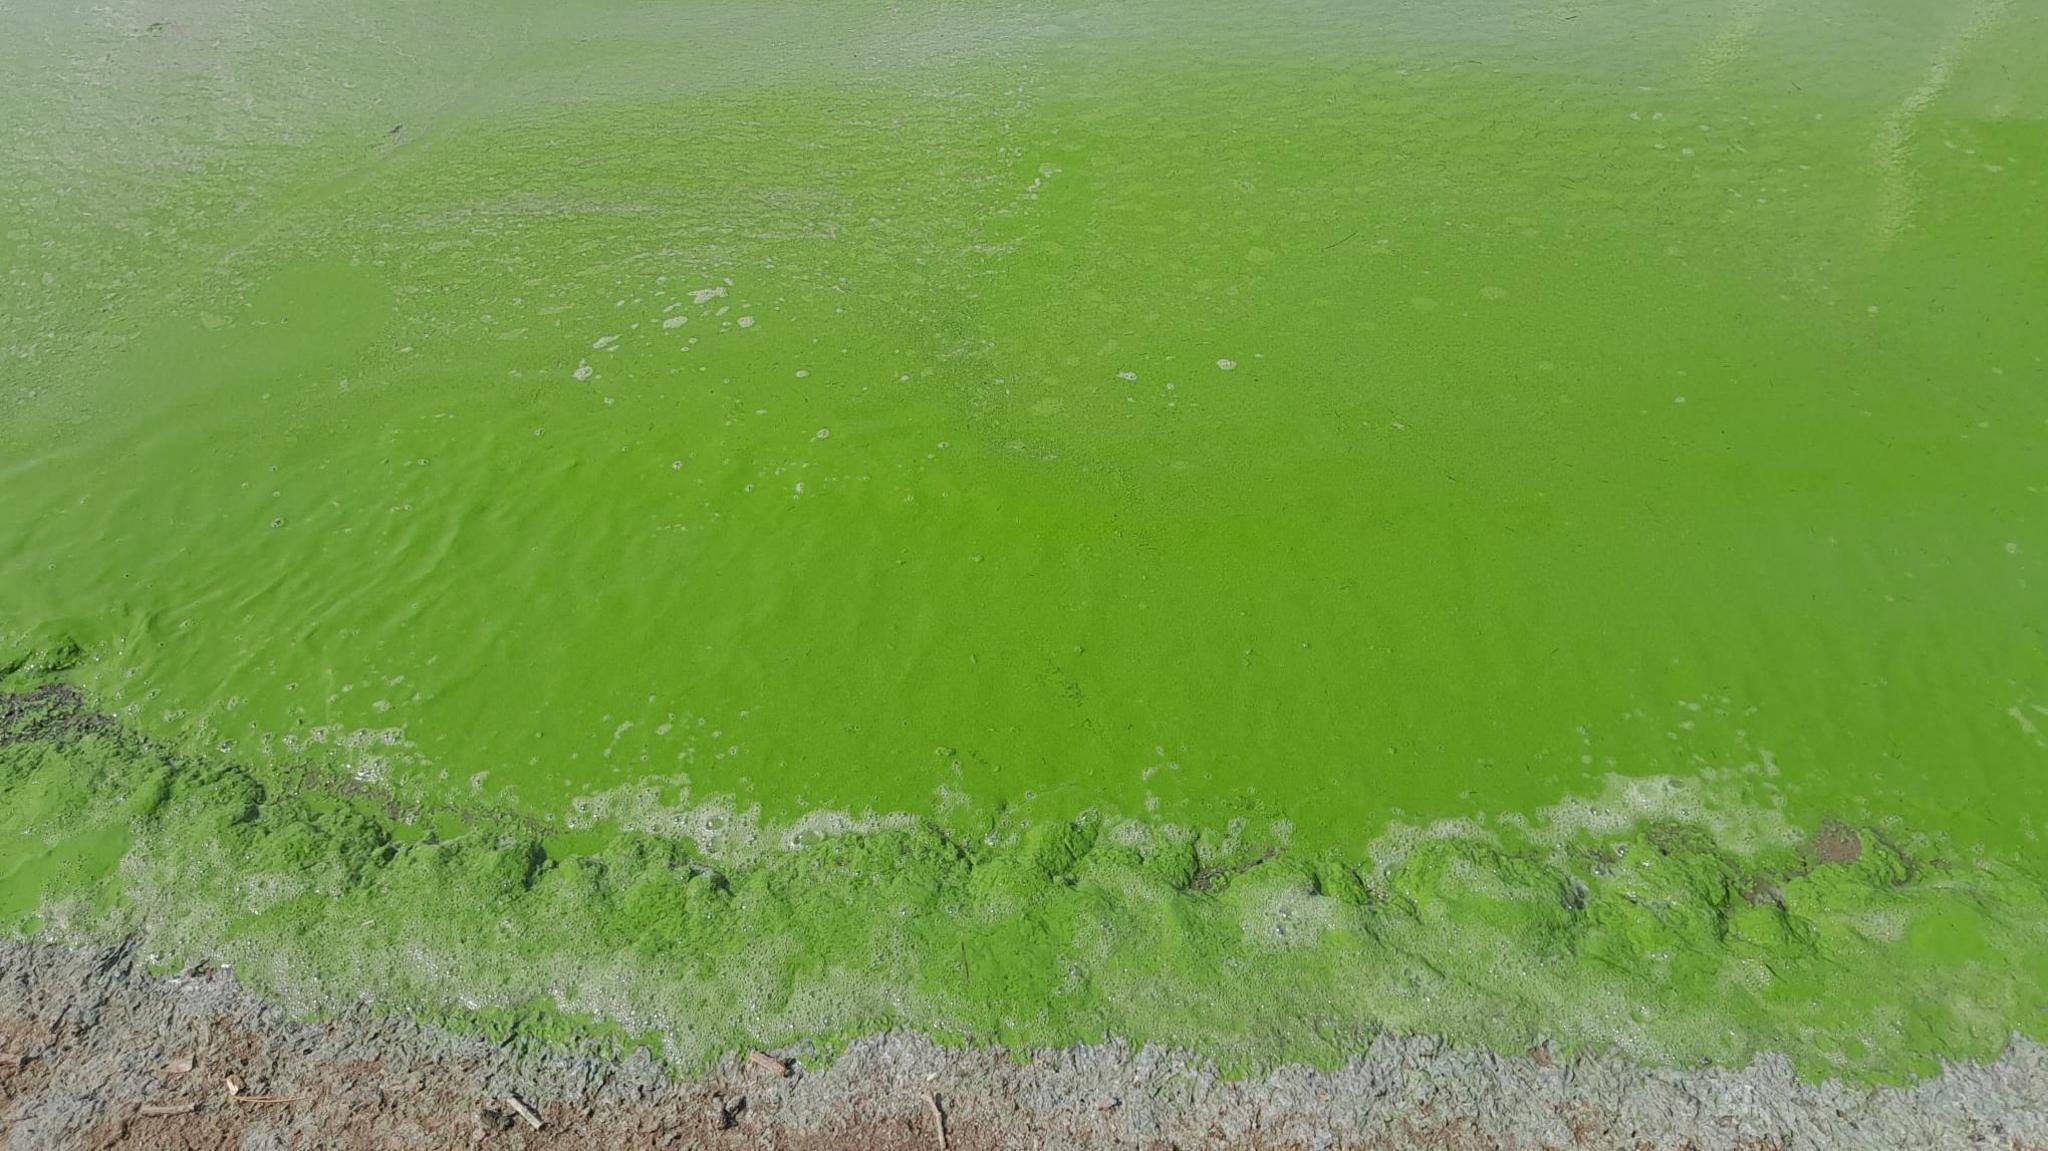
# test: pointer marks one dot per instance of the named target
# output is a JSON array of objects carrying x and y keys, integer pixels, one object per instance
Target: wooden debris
[
  {"x": 767, "y": 1062},
  {"x": 235, "y": 1089},
  {"x": 938, "y": 1117},
  {"x": 525, "y": 1112},
  {"x": 180, "y": 1065},
  {"x": 158, "y": 1110}
]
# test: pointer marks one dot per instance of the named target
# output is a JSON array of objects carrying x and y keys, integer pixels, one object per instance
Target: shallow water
[{"x": 1323, "y": 413}]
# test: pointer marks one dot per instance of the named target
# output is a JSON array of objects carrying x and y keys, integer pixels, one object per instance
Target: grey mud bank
[{"x": 96, "y": 1053}]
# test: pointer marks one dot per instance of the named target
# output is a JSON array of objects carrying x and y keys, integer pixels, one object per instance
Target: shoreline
[
  {"x": 88, "y": 1040},
  {"x": 1856, "y": 957}
]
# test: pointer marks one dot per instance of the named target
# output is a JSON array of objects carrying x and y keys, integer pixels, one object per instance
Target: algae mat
[{"x": 1024, "y": 520}]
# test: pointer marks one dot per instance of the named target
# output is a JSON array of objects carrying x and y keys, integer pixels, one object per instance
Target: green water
[{"x": 1266, "y": 419}]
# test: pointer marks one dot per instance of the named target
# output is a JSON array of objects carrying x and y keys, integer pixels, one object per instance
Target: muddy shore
[{"x": 97, "y": 1053}]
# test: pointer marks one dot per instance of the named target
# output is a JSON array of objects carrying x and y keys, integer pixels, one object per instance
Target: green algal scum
[{"x": 795, "y": 492}]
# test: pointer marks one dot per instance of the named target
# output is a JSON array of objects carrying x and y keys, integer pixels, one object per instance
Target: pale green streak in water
[{"x": 1617, "y": 387}]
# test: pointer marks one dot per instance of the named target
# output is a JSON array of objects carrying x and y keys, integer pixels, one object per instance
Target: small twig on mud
[
  {"x": 767, "y": 1062},
  {"x": 158, "y": 1110},
  {"x": 938, "y": 1118},
  {"x": 234, "y": 1083},
  {"x": 525, "y": 1112}
]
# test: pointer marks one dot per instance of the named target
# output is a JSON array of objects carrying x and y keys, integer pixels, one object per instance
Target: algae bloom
[{"x": 1241, "y": 527}]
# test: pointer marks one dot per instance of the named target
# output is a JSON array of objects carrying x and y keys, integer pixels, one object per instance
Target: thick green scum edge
[{"x": 1857, "y": 954}]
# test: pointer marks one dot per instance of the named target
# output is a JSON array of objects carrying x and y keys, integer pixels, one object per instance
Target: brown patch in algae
[{"x": 1837, "y": 842}]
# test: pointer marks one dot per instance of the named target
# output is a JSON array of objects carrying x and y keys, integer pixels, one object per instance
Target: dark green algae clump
[{"x": 1856, "y": 953}]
